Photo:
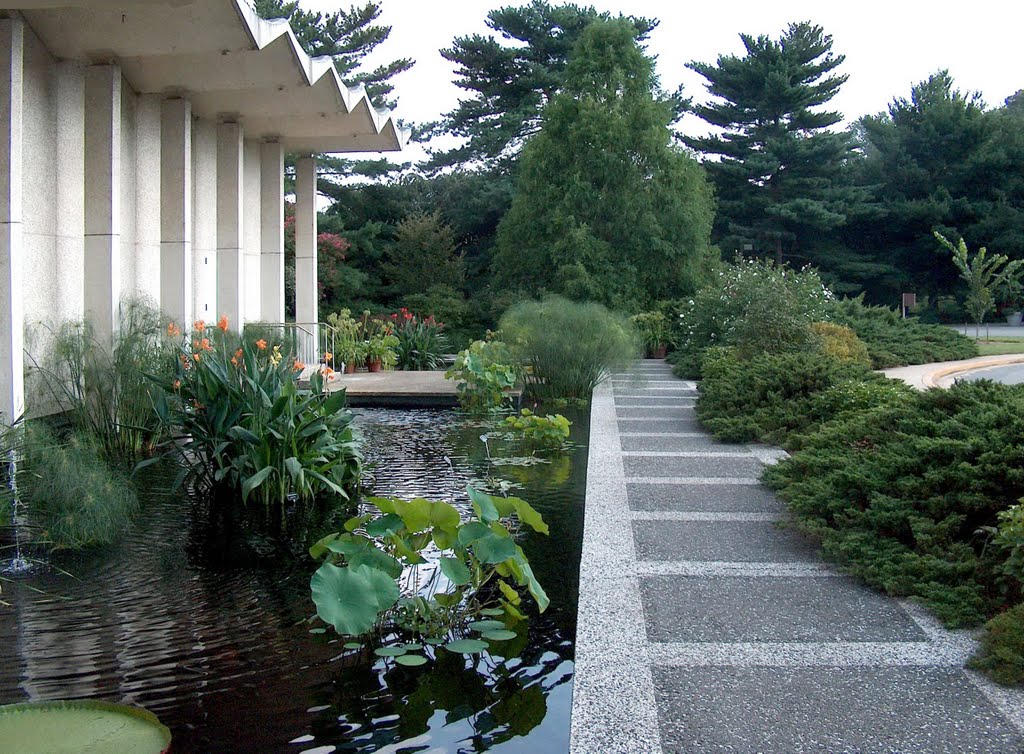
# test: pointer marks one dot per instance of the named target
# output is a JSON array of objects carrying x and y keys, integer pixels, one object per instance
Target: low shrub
[
  {"x": 568, "y": 347},
  {"x": 899, "y": 493},
  {"x": 754, "y": 305},
  {"x": 1001, "y": 653},
  {"x": 71, "y": 493},
  {"x": 893, "y": 341},
  {"x": 485, "y": 373},
  {"x": 242, "y": 424},
  {"x": 840, "y": 343}
]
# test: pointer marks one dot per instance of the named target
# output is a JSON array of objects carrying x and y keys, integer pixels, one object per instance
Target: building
[{"x": 142, "y": 149}]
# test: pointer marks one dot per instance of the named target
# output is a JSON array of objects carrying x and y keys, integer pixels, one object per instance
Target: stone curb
[{"x": 931, "y": 379}]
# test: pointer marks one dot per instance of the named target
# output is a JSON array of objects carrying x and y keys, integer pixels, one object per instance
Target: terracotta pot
[
  {"x": 350, "y": 367},
  {"x": 657, "y": 352},
  {"x": 373, "y": 365}
]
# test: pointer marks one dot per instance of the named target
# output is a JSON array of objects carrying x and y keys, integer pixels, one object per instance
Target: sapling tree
[{"x": 983, "y": 274}]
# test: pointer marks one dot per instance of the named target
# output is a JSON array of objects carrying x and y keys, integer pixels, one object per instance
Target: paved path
[
  {"x": 943, "y": 373},
  {"x": 704, "y": 627}
]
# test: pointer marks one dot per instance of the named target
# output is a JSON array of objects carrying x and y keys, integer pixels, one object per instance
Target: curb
[{"x": 932, "y": 378}]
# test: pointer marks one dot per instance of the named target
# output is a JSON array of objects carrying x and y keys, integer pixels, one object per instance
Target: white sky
[{"x": 889, "y": 46}]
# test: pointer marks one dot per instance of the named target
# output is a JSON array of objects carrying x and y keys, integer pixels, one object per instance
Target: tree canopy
[
  {"x": 606, "y": 209},
  {"x": 778, "y": 162},
  {"x": 510, "y": 82}
]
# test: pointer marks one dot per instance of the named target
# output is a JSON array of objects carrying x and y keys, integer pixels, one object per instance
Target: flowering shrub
[
  {"x": 753, "y": 305},
  {"x": 422, "y": 342},
  {"x": 243, "y": 424}
]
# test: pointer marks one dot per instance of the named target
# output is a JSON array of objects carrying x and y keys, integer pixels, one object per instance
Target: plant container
[{"x": 373, "y": 365}]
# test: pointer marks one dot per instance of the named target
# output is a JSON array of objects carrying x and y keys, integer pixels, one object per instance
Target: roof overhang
[{"x": 231, "y": 64}]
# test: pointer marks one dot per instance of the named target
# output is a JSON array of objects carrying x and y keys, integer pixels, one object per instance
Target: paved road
[
  {"x": 1011, "y": 374},
  {"x": 704, "y": 627}
]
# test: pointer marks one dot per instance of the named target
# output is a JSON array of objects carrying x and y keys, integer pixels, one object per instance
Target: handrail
[{"x": 312, "y": 339}]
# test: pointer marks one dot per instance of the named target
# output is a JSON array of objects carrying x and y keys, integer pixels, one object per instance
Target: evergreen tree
[
  {"x": 605, "y": 208},
  {"x": 510, "y": 83},
  {"x": 423, "y": 255},
  {"x": 779, "y": 172}
]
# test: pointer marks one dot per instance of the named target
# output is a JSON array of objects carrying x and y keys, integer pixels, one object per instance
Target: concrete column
[
  {"x": 252, "y": 246},
  {"x": 204, "y": 220},
  {"x": 230, "y": 282},
  {"x": 306, "y": 293},
  {"x": 69, "y": 264},
  {"x": 12, "y": 315},
  {"x": 272, "y": 232},
  {"x": 103, "y": 199},
  {"x": 147, "y": 196},
  {"x": 176, "y": 210}
]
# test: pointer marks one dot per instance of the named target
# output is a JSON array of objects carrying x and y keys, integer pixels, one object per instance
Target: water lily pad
[
  {"x": 492, "y": 611},
  {"x": 499, "y": 635},
  {"x": 433, "y": 642},
  {"x": 36, "y": 727},
  {"x": 318, "y": 630},
  {"x": 389, "y": 651},
  {"x": 413, "y": 647},
  {"x": 352, "y": 645},
  {"x": 466, "y": 646},
  {"x": 411, "y": 660},
  {"x": 486, "y": 625},
  {"x": 351, "y": 598}
]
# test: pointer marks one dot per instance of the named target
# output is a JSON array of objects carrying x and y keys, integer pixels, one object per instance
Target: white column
[
  {"x": 176, "y": 210},
  {"x": 252, "y": 245},
  {"x": 272, "y": 232},
  {"x": 103, "y": 199},
  {"x": 12, "y": 324},
  {"x": 147, "y": 195},
  {"x": 69, "y": 85},
  {"x": 230, "y": 283},
  {"x": 204, "y": 219},
  {"x": 306, "y": 292}
]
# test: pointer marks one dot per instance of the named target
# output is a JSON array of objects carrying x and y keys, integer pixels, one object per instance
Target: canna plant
[
  {"x": 241, "y": 422},
  {"x": 421, "y": 341},
  {"x": 375, "y": 581}
]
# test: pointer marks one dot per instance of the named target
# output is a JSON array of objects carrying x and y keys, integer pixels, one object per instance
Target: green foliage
[
  {"x": 768, "y": 397},
  {"x": 779, "y": 173},
  {"x": 104, "y": 390},
  {"x": 510, "y": 82},
  {"x": 754, "y": 305},
  {"x": 898, "y": 493},
  {"x": 840, "y": 343},
  {"x": 1001, "y": 654},
  {"x": 606, "y": 208},
  {"x": 423, "y": 250},
  {"x": 549, "y": 431},
  {"x": 983, "y": 276},
  {"x": 653, "y": 328},
  {"x": 244, "y": 425},
  {"x": 569, "y": 348},
  {"x": 421, "y": 344},
  {"x": 72, "y": 494},
  {"x": 450, "y": 307},
  {"x": 1010, "y": 538},
  {"x": 893, "y": 341},
  {"x": 485, "y": 373},
  {"x": 369, "y": 581}
]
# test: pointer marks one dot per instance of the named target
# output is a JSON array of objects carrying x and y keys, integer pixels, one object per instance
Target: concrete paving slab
[
  {"x": 796, "y": 710},
  {"x": 654, "y": 400},
  {"x": 708, "y": 466},
  {"x": 783, "y": 609},
  {"x": 727, "y": 541},
  {"x": 665, "y": 424},
  {"x": 660, "y": 412},
  {"x": 702, "y": 497},
  {"x": 703, "y": 442}
]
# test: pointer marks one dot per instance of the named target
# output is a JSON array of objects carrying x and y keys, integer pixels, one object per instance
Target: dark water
[{"x": 201, "y": 618}]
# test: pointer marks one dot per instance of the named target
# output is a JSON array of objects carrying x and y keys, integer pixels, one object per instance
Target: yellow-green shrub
[{"x": 840, "y": 343}]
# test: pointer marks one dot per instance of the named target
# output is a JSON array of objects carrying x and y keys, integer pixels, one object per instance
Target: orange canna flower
[
  {"x": 177, "y": 385},
  {"x": 173, "y": 331},
  {"x": 204, "y": 345},
  {"x": 199, "y": 325},
  {"x": 238, "y": 353},
  {"x": 326, "y": 371},
  {"x": 328, "y": 356},
  {"x": 234, "y": 360},
  {"x": 222, "y": 323},
  {"x": 261, "y": 344},
  {"x": 298, "y": 366},
  {"x": 195, "y": 357}
]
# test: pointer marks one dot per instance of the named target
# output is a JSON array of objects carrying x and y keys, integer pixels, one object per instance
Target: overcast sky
[{"x": 889, "y": 46}]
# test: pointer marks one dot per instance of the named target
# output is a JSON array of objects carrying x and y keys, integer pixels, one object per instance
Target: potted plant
[
  {"x": 653, "y": 330},
  {"x": 379, "y": 352},
  {"x": 351, "y": 354}
]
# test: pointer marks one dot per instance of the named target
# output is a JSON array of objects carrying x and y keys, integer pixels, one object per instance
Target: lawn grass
[{"x": 996, "y": 346}]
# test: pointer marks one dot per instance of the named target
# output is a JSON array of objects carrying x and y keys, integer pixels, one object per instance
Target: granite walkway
[{"x": 706, "y": 627}]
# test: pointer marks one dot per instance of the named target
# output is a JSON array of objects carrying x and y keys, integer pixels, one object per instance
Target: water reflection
[{"x": 200, "y": 617}]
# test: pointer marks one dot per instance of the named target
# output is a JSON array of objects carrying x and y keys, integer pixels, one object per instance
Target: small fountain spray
[{"x": 18, "y": 564}]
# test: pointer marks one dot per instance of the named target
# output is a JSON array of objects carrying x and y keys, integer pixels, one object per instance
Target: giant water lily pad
[
  {"x": 351, "y": 598},
  {"x": 81, "y": 727}
]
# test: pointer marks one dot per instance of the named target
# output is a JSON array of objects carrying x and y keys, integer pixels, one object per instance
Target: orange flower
[
  {"x": 261, "y": 344},
  {"x": 177, "y": 385},
  {"x": 326, "y": 371},
  {"x": 222, "y": 323},
  {"x": 238, "y": 353},
  {"x": 195, "y": 357},
  {"x": 184, "y": 361},
  {"x": 298, "y": 366},
  {"x": 173, "y": 331},
  {"x": 328, "y": 356},
  {"x": 204, "y": 345},
  {"x": 234, "y": 360},
  {"x": 199, "y": 325}
]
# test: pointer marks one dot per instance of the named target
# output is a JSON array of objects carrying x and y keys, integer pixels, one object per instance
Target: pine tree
[
  {"x": 510, "y": 84},
  {"x": 778, "y": 167},
  {"x": 606, "y": 209}
]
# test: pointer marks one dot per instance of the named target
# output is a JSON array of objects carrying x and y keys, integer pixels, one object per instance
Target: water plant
[
  {"x": 569, "y": 347},
  {"x": 375, "y": 580},
  {"x": 241, "y": 422},
  {"x": 549, "y": 431},
  {"x": 485, "y": 374}
]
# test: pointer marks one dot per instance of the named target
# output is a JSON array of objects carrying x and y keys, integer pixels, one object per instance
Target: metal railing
[{"x": 307, "y": 340}]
